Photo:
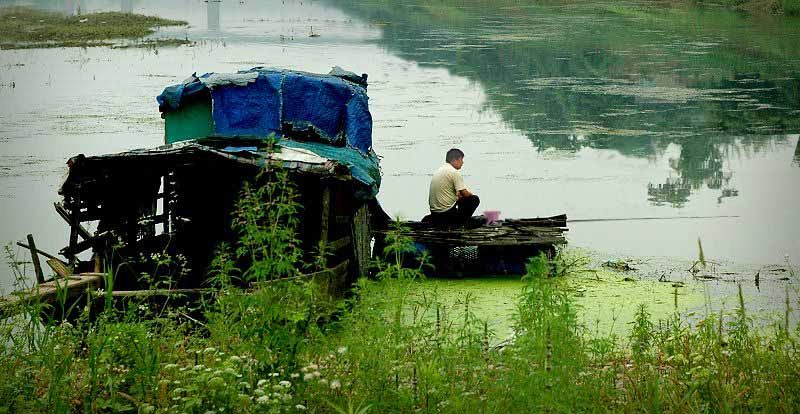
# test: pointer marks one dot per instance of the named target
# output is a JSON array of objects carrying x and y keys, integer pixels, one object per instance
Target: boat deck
[{"x": 524, "y": 232}]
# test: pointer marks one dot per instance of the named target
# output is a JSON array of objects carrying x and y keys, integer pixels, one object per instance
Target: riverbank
[
  {"x": 29, "y": 28},
  {"x": 283, "y": 348}
]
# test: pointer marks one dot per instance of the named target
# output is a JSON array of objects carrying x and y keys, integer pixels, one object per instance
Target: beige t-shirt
[{"x": 446, "y": 182}]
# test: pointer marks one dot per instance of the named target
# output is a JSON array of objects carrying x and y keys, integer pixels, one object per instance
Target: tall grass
[{"x": 284, "y": 348}]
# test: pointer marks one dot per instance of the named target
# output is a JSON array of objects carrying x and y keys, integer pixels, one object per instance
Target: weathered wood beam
[
  {"x": 37, "y": 266},
  {"x": 325, "y": 212},
  {"x": 526, "y": 233},
  {"x": 41, "y": 252},
  {"x": 59, "y": 267},
  {"x": 75, "y": 249},
  {"x": 47, "y": 292},
  {"x": 361, "y": 237},
  {"x": 157, "y": 292}
]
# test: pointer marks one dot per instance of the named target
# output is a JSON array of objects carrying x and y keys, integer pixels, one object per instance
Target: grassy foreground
[
  {"x": 286, "y": 347},
  {"x": 25, "y": 27}
]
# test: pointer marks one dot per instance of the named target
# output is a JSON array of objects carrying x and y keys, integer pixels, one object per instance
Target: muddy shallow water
[{"x": 600, "y": 111}]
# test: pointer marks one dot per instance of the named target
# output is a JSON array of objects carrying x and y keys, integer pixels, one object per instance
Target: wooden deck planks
[
  {"x": 47, "y": 293},
  {"x": 547, "y": 231}
]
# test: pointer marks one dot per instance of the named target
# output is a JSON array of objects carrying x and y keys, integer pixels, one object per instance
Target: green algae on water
[
  {"x": 26, "y": 28},
  {"x": 606, "y": 301}
]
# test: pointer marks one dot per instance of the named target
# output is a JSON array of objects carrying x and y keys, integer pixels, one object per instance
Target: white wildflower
[
  {"x": 285, "y": 384},
  {"x": 341, "y": 349},
  {"x": 300, "y": 407},
  {"x": 336, "y": 384}
]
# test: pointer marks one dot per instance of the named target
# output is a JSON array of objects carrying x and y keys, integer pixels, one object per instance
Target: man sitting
[{"x": 449, "y": 199}]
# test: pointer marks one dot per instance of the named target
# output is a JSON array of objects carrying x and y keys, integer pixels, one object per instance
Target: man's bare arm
[{"x": 463, "y": 193}]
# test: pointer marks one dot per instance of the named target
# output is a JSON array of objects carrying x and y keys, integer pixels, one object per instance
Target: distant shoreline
[{"x": 30, "y": 28}]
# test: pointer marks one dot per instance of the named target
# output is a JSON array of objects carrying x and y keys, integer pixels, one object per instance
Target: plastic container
[{"x": 491, "y": 216}]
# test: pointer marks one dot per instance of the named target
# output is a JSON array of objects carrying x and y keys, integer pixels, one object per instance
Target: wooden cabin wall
[{"x": 187, "y": 208}]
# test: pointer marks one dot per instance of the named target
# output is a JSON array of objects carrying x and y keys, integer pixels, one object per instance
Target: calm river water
[{"x": 598, "y": 111}]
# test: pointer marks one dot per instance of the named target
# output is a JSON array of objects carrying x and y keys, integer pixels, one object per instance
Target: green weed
[
  {"x": 284, "y": 347},
  {"x": 26, "y": 27}
]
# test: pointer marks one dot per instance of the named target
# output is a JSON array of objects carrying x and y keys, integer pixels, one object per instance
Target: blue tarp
[
  {"x": 261, "y": 102},
  {"x": 248, "y": 110},
  {"x": 334, "y": 107}
]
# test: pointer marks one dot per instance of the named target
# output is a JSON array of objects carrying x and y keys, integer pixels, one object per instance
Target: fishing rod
[{"x": 646, "y": 218}]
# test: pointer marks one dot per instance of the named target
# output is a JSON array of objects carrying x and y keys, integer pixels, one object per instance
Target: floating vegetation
[
  {"x": 155, "y": 43},
  {"x": 28, "y": 28}
]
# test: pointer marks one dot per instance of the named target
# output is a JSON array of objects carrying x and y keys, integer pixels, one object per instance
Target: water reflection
[
  {"x": 586, "y": 77},
  {"x": 213, "y": 14},
  {"x": 797, "y": 153},
  {"x": 701, "y": 164}
]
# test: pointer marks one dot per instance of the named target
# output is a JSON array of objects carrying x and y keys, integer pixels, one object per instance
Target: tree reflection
[
  {"x": 570, "y": 78},
  {"x": 699, "y": 165}
]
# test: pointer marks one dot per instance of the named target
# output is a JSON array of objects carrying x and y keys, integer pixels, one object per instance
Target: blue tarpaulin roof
[
  {"x": 260, "y": 102},
  {"x": 331, "y": 112}
]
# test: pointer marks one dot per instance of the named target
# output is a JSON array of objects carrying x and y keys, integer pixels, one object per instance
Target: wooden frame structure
[{"x": 179, "y": 200}]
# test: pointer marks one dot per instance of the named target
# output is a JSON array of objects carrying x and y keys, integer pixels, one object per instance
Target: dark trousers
[{"x": 459, "y": 213}]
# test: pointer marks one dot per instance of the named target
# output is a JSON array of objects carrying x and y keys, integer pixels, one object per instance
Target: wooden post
[
  {"x": 165, "y": 202},
  {"x": 361, "y": 239},
  {"x": 326, "y": 212},
  {"x": 35, "y": 258},
  {"x": 73, "y": 238}
]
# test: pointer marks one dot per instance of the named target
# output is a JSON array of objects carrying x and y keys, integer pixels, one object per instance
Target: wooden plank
[
  {"x": 74, "y": 249},
  {"x": 59, "y": 267},
  {"x": 37, "y": 266},
  {"x": 157, "y": 292},
  {"x": 326, "y": 212},
  {"x": 47, "y": 292},
  {"x": 41, "y": 252},
  {"x": 361, "y": 237},
  {"x": 166, "y": 202},
  {"x": 525, "y": 232},
  {"x": 74, "y": 230}
]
